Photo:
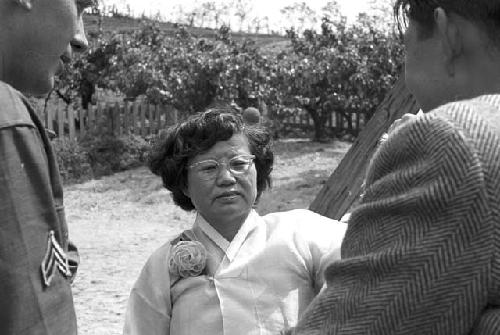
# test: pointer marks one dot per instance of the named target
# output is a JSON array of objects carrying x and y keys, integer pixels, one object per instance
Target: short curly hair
[{"x": 177, "y": 145}]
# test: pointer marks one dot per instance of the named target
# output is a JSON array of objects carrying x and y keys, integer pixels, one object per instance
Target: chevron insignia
[{"x": 55, "y": 259}]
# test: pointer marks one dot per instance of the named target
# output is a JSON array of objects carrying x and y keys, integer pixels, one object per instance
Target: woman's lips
[{"x": 228, "y": 195}]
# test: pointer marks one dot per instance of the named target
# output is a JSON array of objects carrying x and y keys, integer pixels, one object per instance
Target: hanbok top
[{"x": 259, "y": 283}]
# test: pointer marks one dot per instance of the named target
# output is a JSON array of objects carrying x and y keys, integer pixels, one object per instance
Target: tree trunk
[{"x": 319, "y": 120}]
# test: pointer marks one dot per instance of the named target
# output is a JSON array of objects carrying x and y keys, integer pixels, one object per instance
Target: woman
[{"x": 233, "y": 272}]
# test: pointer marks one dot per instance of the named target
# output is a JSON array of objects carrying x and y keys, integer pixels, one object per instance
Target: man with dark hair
[
  {"x": 36, "y": 38},
  {"x": 421, "y": 253}
]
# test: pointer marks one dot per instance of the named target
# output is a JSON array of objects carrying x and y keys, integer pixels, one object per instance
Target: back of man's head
[
  {"x": 485, "y": 13},
  {"x": 452, "y": 48}
]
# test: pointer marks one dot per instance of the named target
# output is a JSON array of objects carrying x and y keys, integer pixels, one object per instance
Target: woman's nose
[{"x": 224, "y": 175}]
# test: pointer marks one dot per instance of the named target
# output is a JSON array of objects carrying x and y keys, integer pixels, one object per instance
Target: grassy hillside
[{"x": 124, "y": 24}]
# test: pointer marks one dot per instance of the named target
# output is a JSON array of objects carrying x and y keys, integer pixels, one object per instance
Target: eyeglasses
[{"x": 209, "y": 169}]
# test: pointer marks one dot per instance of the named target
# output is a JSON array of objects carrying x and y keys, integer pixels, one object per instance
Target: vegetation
[
  {"x": 73, "y": 160},
  {"x": 341, "y": 69},
  {"x": 98, "y": 155}
]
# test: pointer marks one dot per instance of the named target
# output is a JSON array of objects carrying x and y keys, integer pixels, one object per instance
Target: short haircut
[
  {"x": 176, "y": 146},
  {"x": 482, "y": 12}
]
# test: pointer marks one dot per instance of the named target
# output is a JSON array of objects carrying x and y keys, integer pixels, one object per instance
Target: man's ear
[
  {"x": 450, "y": 37},
  {"x": 26, "y": 4}
]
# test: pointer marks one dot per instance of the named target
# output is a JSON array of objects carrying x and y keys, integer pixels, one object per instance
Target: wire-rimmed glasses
[{"x": 209, "y": 169}]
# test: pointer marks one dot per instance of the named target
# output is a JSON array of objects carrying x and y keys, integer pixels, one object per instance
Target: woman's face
[{"x": 227, "y": 198}]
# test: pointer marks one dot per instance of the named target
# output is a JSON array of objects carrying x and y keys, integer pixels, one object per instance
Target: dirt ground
[{"x": 118, "y": 221}]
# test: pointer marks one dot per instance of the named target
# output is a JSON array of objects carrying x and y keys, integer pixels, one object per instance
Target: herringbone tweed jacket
[{"x": 421, "y": 252}]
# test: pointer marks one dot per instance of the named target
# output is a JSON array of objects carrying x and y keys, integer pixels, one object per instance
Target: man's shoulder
[
  {"x": 477, "y": 119},
  {"x": 472, "y": 113},
  {"x": 13, "y": 110}
]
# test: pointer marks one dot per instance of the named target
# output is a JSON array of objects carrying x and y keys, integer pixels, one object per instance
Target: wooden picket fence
[
  {"x": 143, "y": 119},
  {"x": 338, "y": 122},
  {"x": 139, "y": 118}
]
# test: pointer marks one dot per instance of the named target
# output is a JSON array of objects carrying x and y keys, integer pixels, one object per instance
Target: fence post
[
  {"x": 91, "y": 120},
  {"x": 175, "y": 115},
  {"x": 157, "y": 118},
  {"x": 135, "y": 114},
  {"x": 152, "y": 119},
  {"x": 81, "y": 117},
  {"x": 60, "y": 120},
  {"x": 161, "y": 115},
  {"x": 126, "y": 118},
  {"x": 144, "y": 106},
  {"x": 71, "y": 122},
  {"x": 98, "y": 117},
  {"x": 115, "y": 112}
]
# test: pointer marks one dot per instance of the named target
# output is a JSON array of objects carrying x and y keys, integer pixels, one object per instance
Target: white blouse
[{"x": 260, "y": 283}]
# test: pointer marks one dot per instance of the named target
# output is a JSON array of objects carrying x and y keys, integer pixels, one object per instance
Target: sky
[{"x": 270, "y": 8}]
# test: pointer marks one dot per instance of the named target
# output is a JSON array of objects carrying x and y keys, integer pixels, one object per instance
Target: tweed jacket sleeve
[{"x": 420, "y": 255}]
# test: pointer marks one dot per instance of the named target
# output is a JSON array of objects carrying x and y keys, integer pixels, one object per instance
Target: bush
[
  {"x": 109, "y": 154},
  {"x": 73, "y": 160}
]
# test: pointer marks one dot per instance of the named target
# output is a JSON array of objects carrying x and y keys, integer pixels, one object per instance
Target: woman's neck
[
  {"x": 228, "y": 228},
  {"x": 228, "y": 231}
]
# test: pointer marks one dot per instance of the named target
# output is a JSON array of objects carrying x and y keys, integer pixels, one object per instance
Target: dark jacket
[{"x": 31, "y": 210}]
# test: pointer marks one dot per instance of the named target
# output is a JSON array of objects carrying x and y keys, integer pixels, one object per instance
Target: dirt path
[{"x": 118, "y": 221}]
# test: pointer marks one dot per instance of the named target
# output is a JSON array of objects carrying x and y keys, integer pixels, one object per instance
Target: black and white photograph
[{"x": 249, "y": 167}]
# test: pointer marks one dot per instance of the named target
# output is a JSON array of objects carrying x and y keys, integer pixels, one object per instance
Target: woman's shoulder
[
  {"x": 303, "y": 221},
  {"x": 164, "y": 250},
  {"x": 305, "y": 230},
  {"x": 295, "y": 216},
  {"x": 159, "y": 256}
]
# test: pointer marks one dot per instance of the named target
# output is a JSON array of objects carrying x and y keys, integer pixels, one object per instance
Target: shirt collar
[
  {"x": 210, "y": 231},
  {"x": 230, "y": 248}
]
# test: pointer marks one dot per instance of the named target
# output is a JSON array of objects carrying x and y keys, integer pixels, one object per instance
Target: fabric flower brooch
[{"x": 187, "y": 259}]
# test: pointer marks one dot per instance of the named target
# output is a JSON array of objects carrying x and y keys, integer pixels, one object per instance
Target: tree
[
  {"x": 178, "y": 14},
  {"x": 242, "y": 9},
  {"x": 342, "y": 69},
  {"x": 265, "y": 24},
  {"x": 221, "y": 11},
  {"x": 331, "y": 11},
  {"x": 300, "y": 15},
  {"x": 184, "y": 71},
  {"x": 382, "y": 11},
  {"x": 204, "y": 12}
]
